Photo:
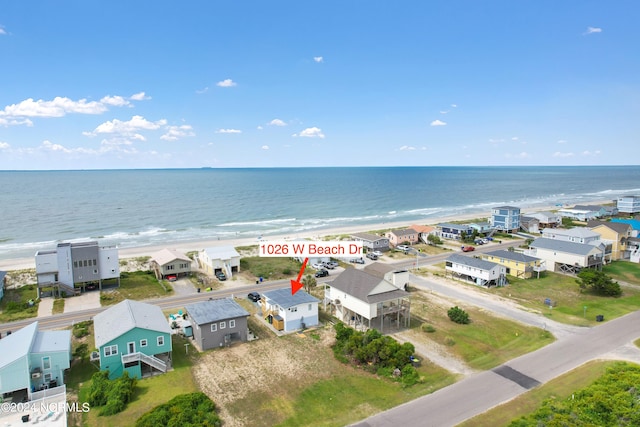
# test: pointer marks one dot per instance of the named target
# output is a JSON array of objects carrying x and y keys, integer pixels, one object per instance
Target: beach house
[
  {"x": 582, "y": 215},
  {"x": 370, "y": 298},
  {"x": 3, "y": 283},
  {"x": 615, "y": 234},
  {"x": 403, "y": 237},
  {"x": 505, "y": 218},
  {"x": 628, "y": 204},
  {"x": 546, "y": 219},
  {"x": 423, "y": 232},
  {"x": 133, "y": 337},
  {"x": 32, "y": 361},
  {"x": 372, "y": 242},
  {"x": 529, "y": 224},
  {"x": 598, "y": 210},
  {"x": 217, "y": 323},
  {"x": 288, "y": 313},
  {"x": 79, "y": 263},
  {"x": 218, "y": 259},
  {"x": 517, "y": 264},
  {"x": 476, "y": 270},
  {"x": 453, "y": 231},
  {"x": 566, "y": 257},
  {"x": 169, "y": 262}
]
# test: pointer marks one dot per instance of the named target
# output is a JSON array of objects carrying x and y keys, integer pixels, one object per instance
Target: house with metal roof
[
  {"x": 600, "y": 211},
  {"x": 216, "y": 259},
  {"x": 133, "y": 337},
  {"x": 286, "y": 312},
  {"x": 566, "y": 257},
  {"x": 370, "y": 298},
  {"x": 372, "y": 242},
  {"x": 217, "y": 322},
  {"x": 516, "y": 264},
  {"x": 169, "y": 262},
  {"x": 529, "y": 224},
  {"x": 576, "y": 235},
  {"x": 578, "y": 214},
  {"x": 546, "y": 219},
  {"x": 32, "y": 361},
  {"x": 476, "y": 270}
]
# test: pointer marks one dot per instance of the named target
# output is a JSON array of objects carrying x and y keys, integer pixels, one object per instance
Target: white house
[
  {"x": 287, "y": 312},
  {"x": 476, "y": 270},
  {"x": 220, "y": 258},
  {"x": 546, "y": 219},
  {"x": 578, "y": 214},
  {"x": 566, "y": 257},
  {"x": 170, "y": 262},
  {"x": 371, "y": 298},
  {"x": 576, "y": 235},
  {"x": 629, "y": 204}
]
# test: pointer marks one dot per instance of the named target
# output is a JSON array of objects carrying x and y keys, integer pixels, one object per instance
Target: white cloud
[
  {"x": 438, "y": 123},
  {"x": 562, "y": 141},
  {"x": 592, "y": 30},
  {"x": 495, "y": 141},
  {"x": 140, "y": 96},
  {"x": 4, "y": 145},
  {"x": 523, "y": 155},
  {"x": 226, "y": 83},
  {"x": 116, "y": 101},
  {"x": 444, "y": 111},
  {"x": 15, "y": 122},
  {"x": 127, "y": 127},
  {"x": 407, "y": 148},
  {"x": 454, "y": 105},
  {"x": 2, "y": 31},
  {"x": 312, "y": 132},
  {"x": 318, "y": 59},
  {"x": 58, "y": 107},
  {"x": 228, "y": 131},
  {"x": 265, "y": 147},
  {"x": 562, "y": 155},
  {"x": 201, "y": 91},
  {"x": 591, "y": 153},
  {"x": 277, "y": 122},
  {"x": 176, "y": 132},
  {"x": 259, "y": 127},
  {"x": 514, "y": 138}
]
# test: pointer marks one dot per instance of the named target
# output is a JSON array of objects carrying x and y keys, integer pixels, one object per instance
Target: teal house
[
  {"x": 133, "y": 337},
  {"x": 32, "y": 361}
]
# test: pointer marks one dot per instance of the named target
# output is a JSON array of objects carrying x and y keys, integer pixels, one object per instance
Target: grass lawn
[
  {"x": 488, "y": 341},
  {"x": 570, "y": 302},
  {"x": 138, "y": 285},
  {"x": 58, "y": 306},
  {"x": 559, "y": 388},
  {"x": 150, "y": 392},
  {"x": 14, "y": 305},
  {"x": 623, "y": 271}
]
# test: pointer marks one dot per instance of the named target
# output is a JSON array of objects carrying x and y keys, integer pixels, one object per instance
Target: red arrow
[{"x": 295, "y": 284}]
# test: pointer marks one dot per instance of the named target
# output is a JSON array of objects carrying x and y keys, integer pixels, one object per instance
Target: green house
[
  {"x": 133, "y": 337},
  {"x": 32, "y": 361}
]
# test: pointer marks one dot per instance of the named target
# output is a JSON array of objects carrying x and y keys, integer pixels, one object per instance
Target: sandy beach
[{"x": 134, "y": 252}]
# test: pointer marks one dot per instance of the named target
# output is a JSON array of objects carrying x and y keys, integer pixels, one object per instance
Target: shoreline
[{"x": 196, "y": 245}]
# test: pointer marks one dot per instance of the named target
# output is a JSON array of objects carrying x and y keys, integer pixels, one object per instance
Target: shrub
[
  {"x": 458, "y": 315},
  {"x": 113, "y": 395},
  {"x": 598, "y": 283},
  {"x": 185, "y": 410},
  {"x": 81, "y": 351},
  {"x": 427, "y": 328}
]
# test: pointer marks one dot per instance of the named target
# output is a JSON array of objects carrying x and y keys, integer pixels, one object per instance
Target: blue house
[
  {"x": 33, "y": 360},
  {"x": 505, "y": 218},
  {"x": 133, "y": 337},
  {"x": 453, "y": 231}
]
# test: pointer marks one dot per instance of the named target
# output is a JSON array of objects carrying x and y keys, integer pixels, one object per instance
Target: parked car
[
  {"x": 357, "y": 261},
  {"x": 333, "y": 263},
  {"x": 403, "y": 248},
  {"x": 479, "y": 242},
  {"x": 322, "y": 273},
  {"x": 317, "y": 266},
  {"x": 328, "y": 265},
  {"x": 377, "y": 253},
  {"x": 171, "y": 278},
  {"x": 468, "y": 249},
  {"x": 372, "y": 256},
  {"x": 254, "y": 296},
  {"x": 221, "y": 276}
]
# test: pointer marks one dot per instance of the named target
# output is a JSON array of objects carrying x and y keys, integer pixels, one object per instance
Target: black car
[
  {"x": 254, "y": 296},
  {"x": 322, "y": 273},
  {"x": 220, "y": 275}
]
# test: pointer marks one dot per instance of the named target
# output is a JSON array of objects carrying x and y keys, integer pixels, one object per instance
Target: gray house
[
  {"x": 217, "y": 322},
  {"x": 169, "y": 262},
  {"x": 372, "y": 242}
]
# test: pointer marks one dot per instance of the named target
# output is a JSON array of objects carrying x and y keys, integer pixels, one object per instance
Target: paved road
[{"x": 480, "y": 392}]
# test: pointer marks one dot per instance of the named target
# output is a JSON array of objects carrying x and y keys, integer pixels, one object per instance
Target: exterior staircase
[{"x": 152, "y": 361}]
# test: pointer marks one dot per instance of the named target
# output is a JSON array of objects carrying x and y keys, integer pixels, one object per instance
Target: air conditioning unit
[{"x": 35, "y": 375}]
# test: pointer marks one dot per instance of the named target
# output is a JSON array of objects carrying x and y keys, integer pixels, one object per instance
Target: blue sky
[{"x": 87, "y": 85}]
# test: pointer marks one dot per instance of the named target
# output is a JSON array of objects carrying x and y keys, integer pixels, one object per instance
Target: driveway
[{"x": 84, "y": 301}]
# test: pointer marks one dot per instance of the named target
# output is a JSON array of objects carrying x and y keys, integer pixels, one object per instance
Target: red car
[
  {"x": 468, "y": 248},
  {"x": 171, "y": 278}
]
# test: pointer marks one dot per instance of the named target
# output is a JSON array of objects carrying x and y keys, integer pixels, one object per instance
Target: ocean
[{"x": 133, "y": 208}]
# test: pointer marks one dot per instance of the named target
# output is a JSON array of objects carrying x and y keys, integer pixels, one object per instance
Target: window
[
  {"x": 143, "y": 343},
  {"x": 47, "y": 378},
  {"x": 214, "y": 327},
  {"x": 223, "y": 325},
  {"x": 84, "y": 262},
  {"x": 94, "y": 263},
  {"x": 75, "y": 264},
  {"x": 46, "y": 363},
  {"x": 232, "y": 323},
  {"x": 160, "y": 341},
  {"x": 309, "y": 307},
  {"x": 169, "y": 267},
  {"x": 111, "y": 350}
]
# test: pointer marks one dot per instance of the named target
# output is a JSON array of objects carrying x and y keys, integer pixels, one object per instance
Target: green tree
[
  {"x": 309, "y": 282},
  {"x": 434, "y": 240},
  {"x": 458, "y": 315},
  {"x": 598, "y": 283}
]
